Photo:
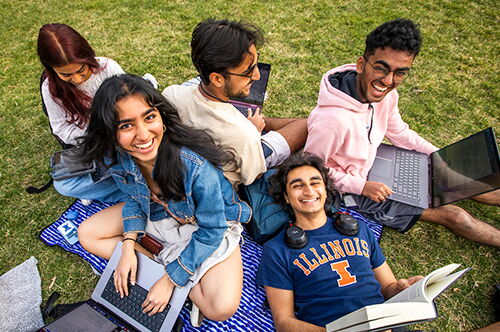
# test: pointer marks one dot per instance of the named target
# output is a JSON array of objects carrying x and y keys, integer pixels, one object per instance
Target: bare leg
[
  {"x": 461, "y": 223},
  {"x": 100, "y": 233},
  {"x": 293, "y": 130},
  {"x": 490, "y": 198},
  {"x": 218, "y": 293}
]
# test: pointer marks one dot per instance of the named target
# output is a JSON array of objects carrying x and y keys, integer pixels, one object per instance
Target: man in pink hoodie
[{"x": 357, "y": 108}]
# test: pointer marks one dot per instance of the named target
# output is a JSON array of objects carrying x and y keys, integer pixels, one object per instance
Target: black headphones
[{"x": 344, "y": 223}]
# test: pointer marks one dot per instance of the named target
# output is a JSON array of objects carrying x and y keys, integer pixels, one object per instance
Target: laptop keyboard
[
  {"x": 407, "y": 175},
  {"x": 131, "y": 305}
]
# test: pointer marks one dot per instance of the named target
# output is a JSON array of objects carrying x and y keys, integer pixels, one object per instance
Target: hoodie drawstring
[{"x": 370, "y": 107}]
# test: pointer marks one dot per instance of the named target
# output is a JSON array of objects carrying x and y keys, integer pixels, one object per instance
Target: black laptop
[
  {"x": 107, "y": 312},
  {"x": 255, "y": 98},
  {"x": 463, "y": 169}
]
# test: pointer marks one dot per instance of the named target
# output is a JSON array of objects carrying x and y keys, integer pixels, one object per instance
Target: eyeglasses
[
  {"x": 382, "y": 72},
  {"x": 250, "y": 70}
]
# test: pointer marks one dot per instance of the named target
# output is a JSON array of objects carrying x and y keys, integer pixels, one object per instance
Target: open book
[{"x": 412, "y": 305}]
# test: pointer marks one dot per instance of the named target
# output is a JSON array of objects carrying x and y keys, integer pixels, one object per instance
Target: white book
[{"x": 412, "y": 305}]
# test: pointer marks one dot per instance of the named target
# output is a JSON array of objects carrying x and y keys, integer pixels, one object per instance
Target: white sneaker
[
  {"x": 151, "y": 79},
  {"x": 196, "y": 317},
  {"x": 194, "y": 81},
  {"x": 86, "y": 202}
]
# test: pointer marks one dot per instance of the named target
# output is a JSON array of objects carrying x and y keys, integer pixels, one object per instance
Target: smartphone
[
  {"x": 69, "y": 232},
  {"x": 245, "y": 108}
]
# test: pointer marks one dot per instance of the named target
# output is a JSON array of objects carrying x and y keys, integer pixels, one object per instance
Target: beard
[{"x": 228, "y": 91}]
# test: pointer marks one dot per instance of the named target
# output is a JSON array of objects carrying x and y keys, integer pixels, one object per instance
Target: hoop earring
[{"x": 164, "y": 128}]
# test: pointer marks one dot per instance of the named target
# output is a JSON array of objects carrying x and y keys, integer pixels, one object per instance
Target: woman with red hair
[
  {"x": 73, "y": 75},
  {"x": 70, "y": 80}
]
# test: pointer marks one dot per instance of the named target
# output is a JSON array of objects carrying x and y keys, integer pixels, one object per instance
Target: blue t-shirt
[{"x": 330, "y": 277}]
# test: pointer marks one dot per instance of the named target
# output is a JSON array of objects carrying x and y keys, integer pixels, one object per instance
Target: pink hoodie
[{"x": 338, "y": 133}]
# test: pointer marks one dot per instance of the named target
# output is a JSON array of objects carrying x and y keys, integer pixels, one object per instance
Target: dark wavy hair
[
  {"x": 399, "y": 34},
  {"x": 59, "y": 45},
  {"x": 100, "y": 142},
  {"x": 219, "y": 45},
  {"x": 278, "y": 181}
]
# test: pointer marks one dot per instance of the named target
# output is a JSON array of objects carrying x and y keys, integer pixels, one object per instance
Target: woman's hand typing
[
  {"x": 127, "y": 267},
  {"x": 158, "y": 296}
]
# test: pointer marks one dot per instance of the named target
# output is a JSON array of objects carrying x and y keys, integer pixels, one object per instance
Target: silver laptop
[
  {"x": 107, "y": 312},
  {"x": 463, "y": 169},
  {"x": 148, "y": 272}
]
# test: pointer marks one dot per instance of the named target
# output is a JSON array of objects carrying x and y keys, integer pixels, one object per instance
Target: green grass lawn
[{"x": 453, "y": 92}]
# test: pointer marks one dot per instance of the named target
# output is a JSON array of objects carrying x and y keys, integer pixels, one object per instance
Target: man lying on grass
[{"x": 332, "y": 274}]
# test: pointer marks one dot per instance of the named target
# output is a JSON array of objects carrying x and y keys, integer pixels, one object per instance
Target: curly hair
[
  {"x": 278, "y": 180},
  {"x": 219, "y": 45},
  {"x": 399, "y": 34}
]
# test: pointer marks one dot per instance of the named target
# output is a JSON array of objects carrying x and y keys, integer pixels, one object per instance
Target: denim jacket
[{"x": 210, "y": 202}]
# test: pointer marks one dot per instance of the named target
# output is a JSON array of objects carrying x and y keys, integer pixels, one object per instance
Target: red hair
[{"x": 59, "y": 45}]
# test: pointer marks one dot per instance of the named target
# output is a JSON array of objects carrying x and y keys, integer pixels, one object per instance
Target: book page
[
  {"x": 439, "y": 286},
  {"x": 382, "y": 316},
  {"x": 418, "y": 291},
  {"x": 414, "y": 293},
  {"x": 441, "y": 272},
  {"x": 366, "y": 314}
]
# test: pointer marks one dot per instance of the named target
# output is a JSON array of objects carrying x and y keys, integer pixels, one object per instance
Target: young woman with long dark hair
[{"x": 175, "y": 191}]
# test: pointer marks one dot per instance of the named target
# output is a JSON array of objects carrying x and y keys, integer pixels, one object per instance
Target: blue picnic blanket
[{"x": 253, "y": 313}]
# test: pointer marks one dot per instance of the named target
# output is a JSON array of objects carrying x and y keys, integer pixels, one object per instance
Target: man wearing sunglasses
[
  {"x": 357, "y": 107},
  {"x": 225, "y": 56}
]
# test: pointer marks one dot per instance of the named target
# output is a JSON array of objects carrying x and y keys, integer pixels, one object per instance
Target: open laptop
[
  {"x": 463, "y": 169},
  {"x": 107, "y": 312},
  {"x": 255, "y": 98}
]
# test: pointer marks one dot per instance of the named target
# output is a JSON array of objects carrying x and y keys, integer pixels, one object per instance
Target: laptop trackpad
[{"x": 382, "y": 167}]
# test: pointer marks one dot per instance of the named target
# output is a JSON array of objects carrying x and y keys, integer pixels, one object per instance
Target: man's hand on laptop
[
  {"x": 376, "y": 191},
  {"x": 257, "y": 119},
  {"x": 158, "y": 296}
]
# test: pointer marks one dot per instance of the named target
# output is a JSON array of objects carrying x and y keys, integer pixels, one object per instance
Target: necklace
[{"x": 211, "y": 95}]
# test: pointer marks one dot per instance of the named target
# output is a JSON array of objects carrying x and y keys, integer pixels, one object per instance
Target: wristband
[{"x": 129, "y": 238}]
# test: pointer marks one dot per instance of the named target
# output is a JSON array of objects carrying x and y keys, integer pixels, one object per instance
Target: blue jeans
[{"x": 84, "y": 187}]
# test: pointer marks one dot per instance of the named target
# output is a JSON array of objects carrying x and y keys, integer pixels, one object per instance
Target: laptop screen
[
  {"x": 465, "y": 168},
  {"x": 258, "y": 89}
]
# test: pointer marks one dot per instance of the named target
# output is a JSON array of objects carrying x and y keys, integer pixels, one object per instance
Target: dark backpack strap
[
  {"x": 42, "y": 79},
  {"x": 35, "y": 190}
]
